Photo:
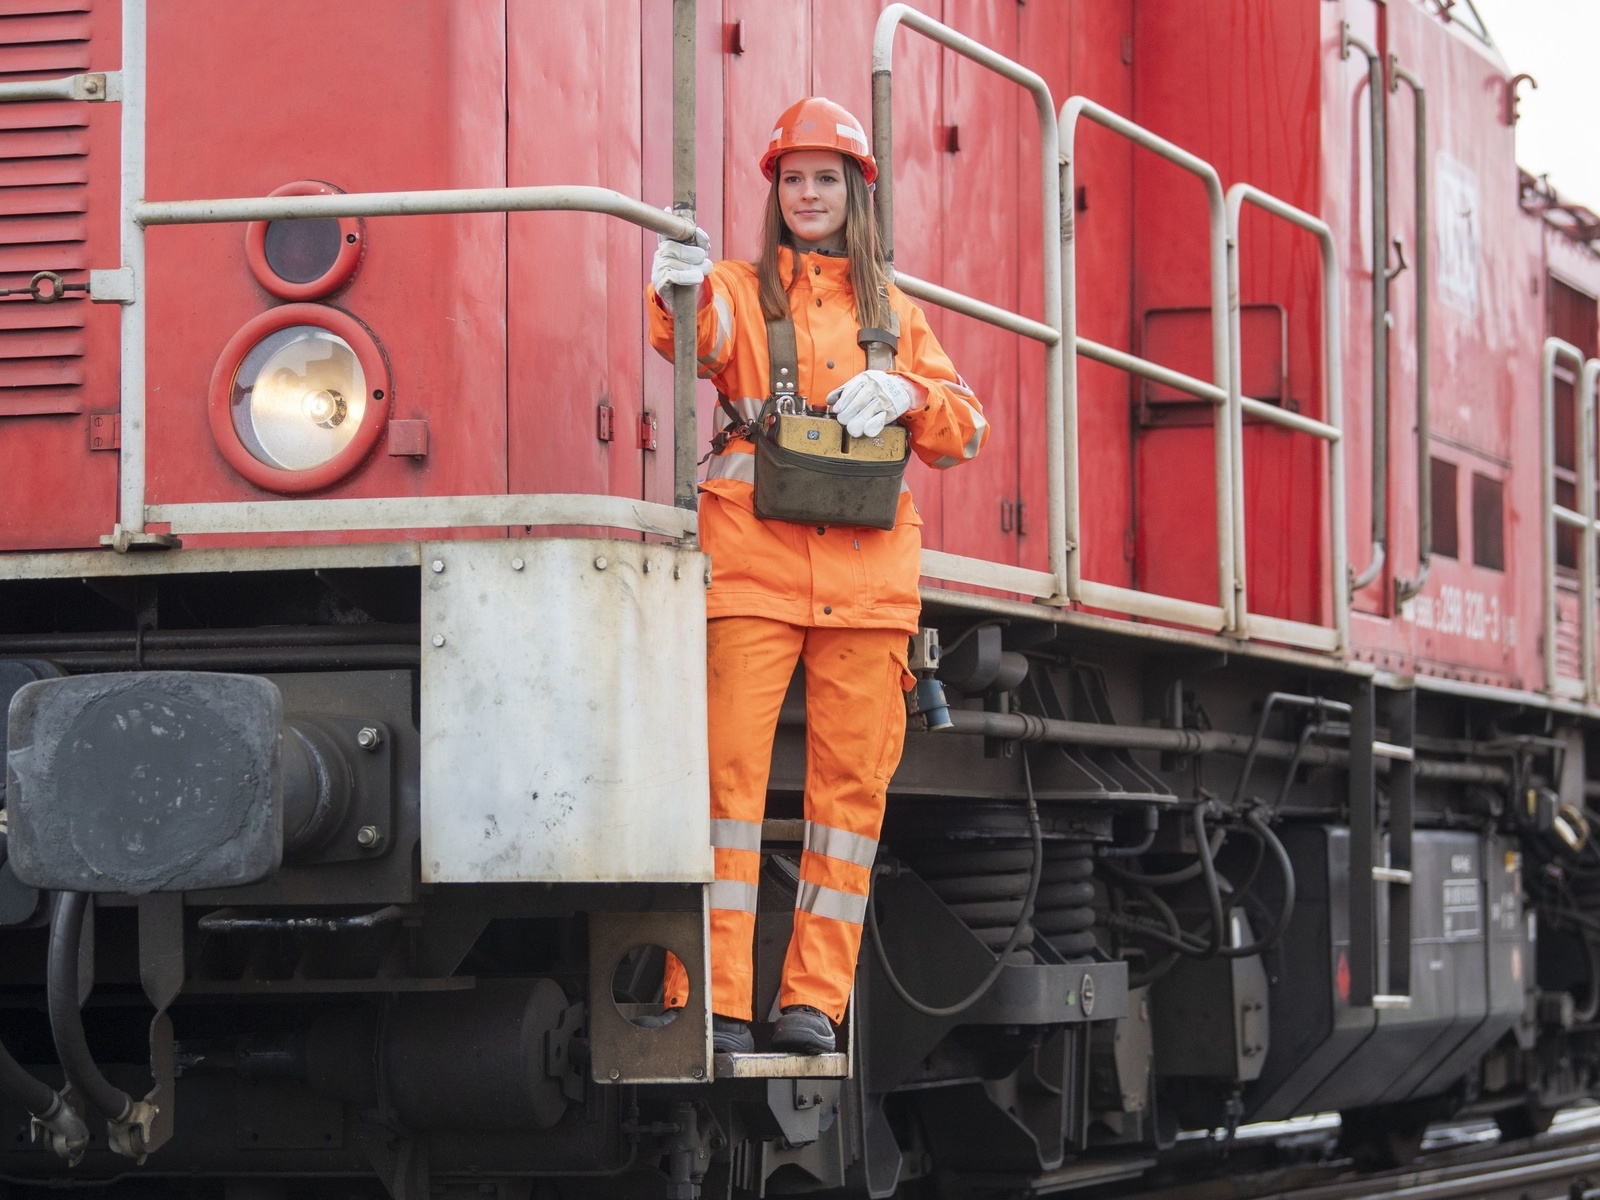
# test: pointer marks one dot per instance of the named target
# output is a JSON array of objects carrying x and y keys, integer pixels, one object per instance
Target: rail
[
  {"x": 1586, "y": 377},
  {"x": 1053, "y": 587},
  {"x": 1330, "y": 432},
  {"x": 1223, "y": 616}
]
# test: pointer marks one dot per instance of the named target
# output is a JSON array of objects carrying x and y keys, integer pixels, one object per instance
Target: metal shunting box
[{"x": 563, "y": 712}]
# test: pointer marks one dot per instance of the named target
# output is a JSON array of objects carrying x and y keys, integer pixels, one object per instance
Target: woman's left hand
[{"x": 870, "y": 401}]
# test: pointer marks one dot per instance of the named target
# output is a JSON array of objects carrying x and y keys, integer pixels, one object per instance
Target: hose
[
  {"x": 1168, "y": 960},
  {"x": 1152, "y": 822},
  {"x": 1591, "y": 1003},
  {"x": 1215, "y": 947},
  {"x": 1022, "y": 926},
  {"x": 66, "y": 1020},
  {"x": 20, "y": 1087},
  {"x": 1170, "y": 878}
]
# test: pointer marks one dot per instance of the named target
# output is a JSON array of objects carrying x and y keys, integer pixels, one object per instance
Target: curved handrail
[
  {"x": 554, "y": 198},
  {"x": 1239, "y": 195},
  {"x": 1062, "y": 543},
  {"x": 1080, "y": 106},
  {"x": 1555, "y": 351}
]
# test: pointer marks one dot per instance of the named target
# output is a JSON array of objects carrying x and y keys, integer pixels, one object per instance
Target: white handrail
[
  {"x": 1586, "y": 378},
  {"x": 1239, "y": 195},
  {"x": 1127, "y": 599},
  {"x": 1061, "y": 543}
]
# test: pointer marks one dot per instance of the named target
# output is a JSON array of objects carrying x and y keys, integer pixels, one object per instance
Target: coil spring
[{"x": 986, "y": 887}]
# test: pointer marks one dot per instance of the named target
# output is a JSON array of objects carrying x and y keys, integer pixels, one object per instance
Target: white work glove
[
  {"x": 870, "y": 401},
  {"x": 681, "y": 264}
]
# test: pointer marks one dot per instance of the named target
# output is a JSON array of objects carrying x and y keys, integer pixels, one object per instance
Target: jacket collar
[{"x": 826, "y": 270}]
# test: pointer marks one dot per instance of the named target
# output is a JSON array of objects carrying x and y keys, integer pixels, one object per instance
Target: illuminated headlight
[{"x": 298, "y": 398}]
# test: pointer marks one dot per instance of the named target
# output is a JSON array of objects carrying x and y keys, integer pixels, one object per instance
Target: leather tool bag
[{"x": 808, "y": 469}]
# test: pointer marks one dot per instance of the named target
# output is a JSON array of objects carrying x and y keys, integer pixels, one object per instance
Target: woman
[{"x": 841, "y": 598}]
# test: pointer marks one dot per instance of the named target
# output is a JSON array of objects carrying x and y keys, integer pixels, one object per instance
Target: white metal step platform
[{"x": 780, "y": 1066}]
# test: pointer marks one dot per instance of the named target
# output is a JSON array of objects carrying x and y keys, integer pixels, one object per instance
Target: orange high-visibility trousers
[{"x": 855, "y": 730}]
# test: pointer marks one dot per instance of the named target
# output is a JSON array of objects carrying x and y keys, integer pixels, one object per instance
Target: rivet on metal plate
[
  {"x": 438, "y": 639},
  {"x": 437, "y": 565},
  {"x": 600, "y": 564},
  {"x": 517, "y": 564}
]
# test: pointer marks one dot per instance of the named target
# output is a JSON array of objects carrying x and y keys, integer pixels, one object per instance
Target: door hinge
[
  {"x": 605, "y": 422},
  {"x": 647, "y": 431},
  {"x": 105, "y": 431}
]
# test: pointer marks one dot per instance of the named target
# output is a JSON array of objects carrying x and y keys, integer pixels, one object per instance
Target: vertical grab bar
[
  {"x": 1589, "y": 584},
  {"x": 1380, "y": 305},
  {"x": 129, "y": 526},
  {"x": 685, "y": 436},
  {"x": 1405, "y": 589}
]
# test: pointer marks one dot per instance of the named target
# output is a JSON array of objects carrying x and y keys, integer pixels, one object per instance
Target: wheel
[
  {"x": 1524, "y": 1121},
  {"x": 1380, "y": 1139}
]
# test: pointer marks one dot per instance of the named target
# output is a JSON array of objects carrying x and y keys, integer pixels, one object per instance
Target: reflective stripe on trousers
[{"x": 855, "y": 718}]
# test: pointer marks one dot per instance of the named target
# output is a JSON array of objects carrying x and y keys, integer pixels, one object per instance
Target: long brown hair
[{"x": 869, "y": 272}]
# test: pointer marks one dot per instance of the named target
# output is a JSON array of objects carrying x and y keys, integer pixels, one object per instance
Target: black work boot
[
  {"x": 729, "y": 1036},
  {"x": 657, "y": 1020},
  {"x": 801, "y": 1029}
]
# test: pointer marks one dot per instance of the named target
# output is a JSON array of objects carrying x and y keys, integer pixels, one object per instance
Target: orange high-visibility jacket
[{"x": 840, "y": 575}]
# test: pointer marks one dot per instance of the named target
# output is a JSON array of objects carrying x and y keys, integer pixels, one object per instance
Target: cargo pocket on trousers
[{"x": 893, "y": 738}]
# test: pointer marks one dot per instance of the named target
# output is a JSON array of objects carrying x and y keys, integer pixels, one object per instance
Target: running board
[{"x": 780, "y": 1066}]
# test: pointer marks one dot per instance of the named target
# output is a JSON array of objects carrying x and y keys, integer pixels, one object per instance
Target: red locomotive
[{"x": 352, "y": 621}]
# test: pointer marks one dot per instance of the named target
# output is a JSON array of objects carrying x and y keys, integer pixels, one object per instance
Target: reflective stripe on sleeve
[
  {"x": 975, "y": 442},
  {"x": 830, "y": 902},
  {"x": 730, "y": 895},
  {"x": 728, "y": 833},
  {"x": 733, "y": 466},
  {"x": 841, "y": 844},
  {"x": 719, "y": 343}
]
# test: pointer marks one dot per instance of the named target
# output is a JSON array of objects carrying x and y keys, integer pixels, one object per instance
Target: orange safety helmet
[{"x": 816, "y": 123}]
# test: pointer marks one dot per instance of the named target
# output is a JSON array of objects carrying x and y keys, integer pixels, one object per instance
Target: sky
[{"x": 1558, "y": 43}]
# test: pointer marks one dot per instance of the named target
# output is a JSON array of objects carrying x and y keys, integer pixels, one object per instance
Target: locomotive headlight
[{"x": 298, "y": 397}]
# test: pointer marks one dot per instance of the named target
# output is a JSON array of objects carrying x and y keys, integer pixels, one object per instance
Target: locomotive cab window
[
  {"x": 1446, "y": 528},
  {"x": 1488, "y": 523}
]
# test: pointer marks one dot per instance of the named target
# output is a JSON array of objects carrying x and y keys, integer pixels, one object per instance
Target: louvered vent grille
[{"x": 44, "y": 175}]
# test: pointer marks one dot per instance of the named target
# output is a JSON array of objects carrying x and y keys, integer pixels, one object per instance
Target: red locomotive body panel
[
  {"x": 58, "y": 362},
  {"x": 377, "y": 102},
  {"x": 515, "y": 344}
]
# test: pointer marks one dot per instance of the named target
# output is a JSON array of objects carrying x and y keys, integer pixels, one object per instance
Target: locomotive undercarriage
[{"x": 340, "y": 1026}]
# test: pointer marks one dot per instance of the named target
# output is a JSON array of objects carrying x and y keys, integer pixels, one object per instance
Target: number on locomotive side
[{"x": 1468, "y": 614}]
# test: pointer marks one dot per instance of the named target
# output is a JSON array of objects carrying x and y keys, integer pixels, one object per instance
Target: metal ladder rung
[
  {"x": 1391, "y": 875},
  {"x": 1381, "y": 1001},
  {"x": 1391, "y": 751}
]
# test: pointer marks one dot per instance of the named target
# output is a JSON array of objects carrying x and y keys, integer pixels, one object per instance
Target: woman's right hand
[{"x": 681, "y": 264}]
